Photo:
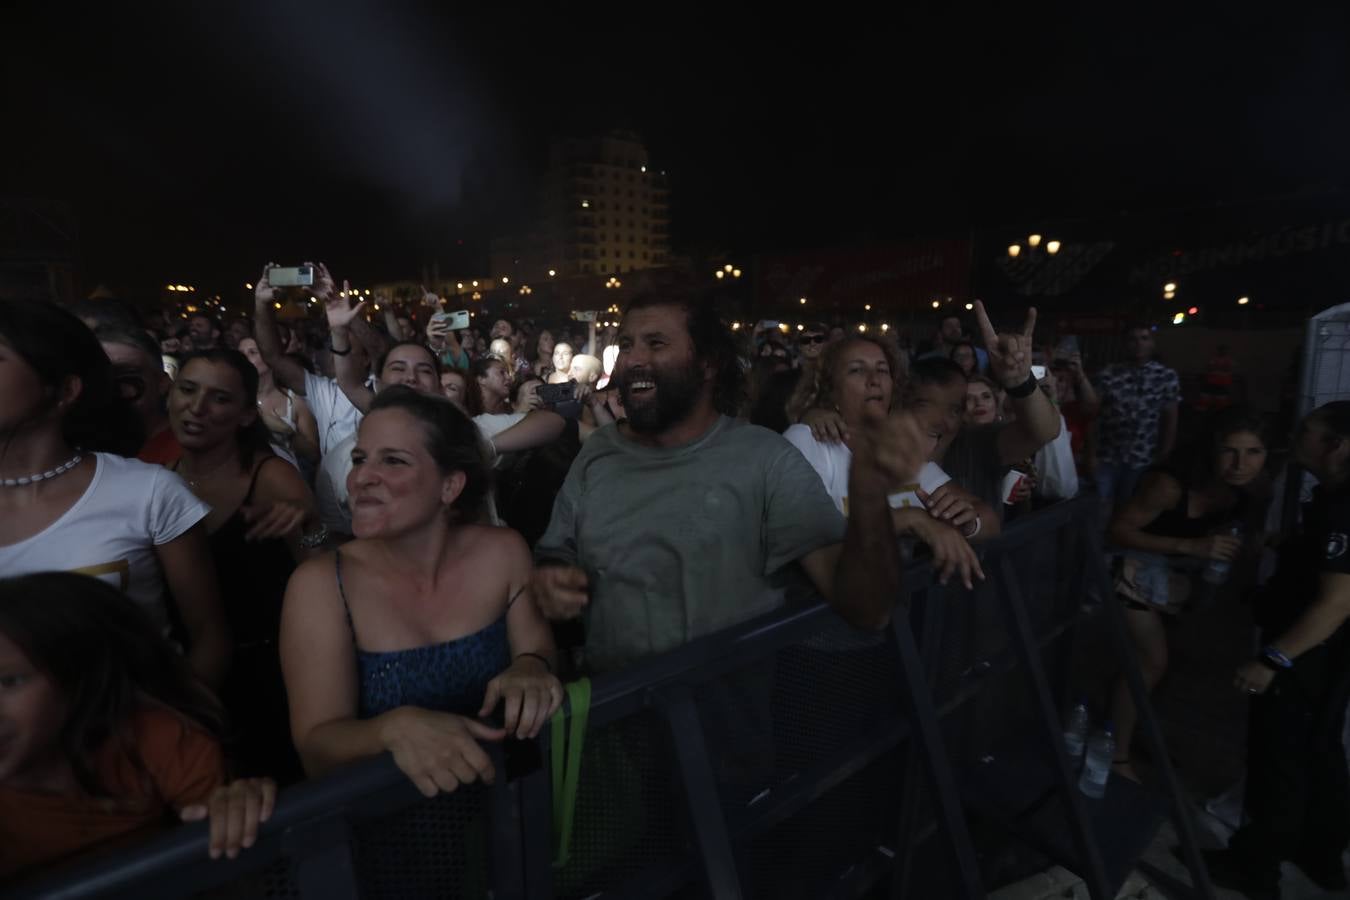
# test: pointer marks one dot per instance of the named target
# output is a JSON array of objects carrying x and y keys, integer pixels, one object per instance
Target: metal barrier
[{"x": 792, "y": 756}]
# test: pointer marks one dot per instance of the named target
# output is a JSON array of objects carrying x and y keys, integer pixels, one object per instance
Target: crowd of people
[{"x": 239, "y": 554}]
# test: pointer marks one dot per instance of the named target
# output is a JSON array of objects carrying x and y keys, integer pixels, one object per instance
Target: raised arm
[
  {"x": 286, "y": 372},
  {"x": 349, "y": 361},
  {"x": 1037, "y": 421},
  {"x": 861, "y": 578}
]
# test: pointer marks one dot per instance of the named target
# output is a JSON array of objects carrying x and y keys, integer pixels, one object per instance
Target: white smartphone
[
  {"x": 290, "y": 276},
  {"x": 458, "y": 320}
]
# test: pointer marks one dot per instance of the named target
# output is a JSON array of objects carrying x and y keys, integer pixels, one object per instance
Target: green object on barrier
[{"x": 565, "y": 759}]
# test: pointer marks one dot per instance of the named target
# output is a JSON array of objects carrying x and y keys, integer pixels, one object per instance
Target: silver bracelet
[
  {"x": 315, "y": 539},
  {"x": 978, "y": 525}
]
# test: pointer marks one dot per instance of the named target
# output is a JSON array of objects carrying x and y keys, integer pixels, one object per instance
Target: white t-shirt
[
  {"x": 492, "y": 424},
  {"x": 111, "y": 532},
  {"x": 832, "y": 461},
  {"x": 337, "y": 418}
]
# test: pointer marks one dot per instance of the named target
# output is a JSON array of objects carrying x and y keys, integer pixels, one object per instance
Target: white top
[
  {"x": 492, "y": 424},
  {"x": 111, "y": 532},
  {"x": 832, "y": 461},
  {"x": 1056, "y": 473},
  {"x": 336, "y": 416}
]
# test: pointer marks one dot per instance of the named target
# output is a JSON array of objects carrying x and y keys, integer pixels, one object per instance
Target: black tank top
[{"x": 252, "y": 575}]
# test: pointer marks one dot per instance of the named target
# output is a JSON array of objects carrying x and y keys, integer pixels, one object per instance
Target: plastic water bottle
[
  {"x": 1097, "y": 768},
  {"x": 1076, "y": 732},
  {"x": 1216, "y": 570}
]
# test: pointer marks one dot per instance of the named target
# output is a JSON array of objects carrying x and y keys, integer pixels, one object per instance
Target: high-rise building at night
[{"x": 603, "y": 208}]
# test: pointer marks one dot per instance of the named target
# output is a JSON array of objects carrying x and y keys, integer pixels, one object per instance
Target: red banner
[{"x": 901, "y": 276}]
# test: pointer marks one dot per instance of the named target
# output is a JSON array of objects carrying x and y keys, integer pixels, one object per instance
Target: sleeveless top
[
  {"x": 1177, "y": 522},
  {"x": 448, "y": 677}
]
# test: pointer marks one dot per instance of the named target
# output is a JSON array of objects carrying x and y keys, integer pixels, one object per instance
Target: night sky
[{"x": 194, "y": 142}]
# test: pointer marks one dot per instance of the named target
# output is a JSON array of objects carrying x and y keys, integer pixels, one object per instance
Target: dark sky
[{"x": 195, "y": 142}]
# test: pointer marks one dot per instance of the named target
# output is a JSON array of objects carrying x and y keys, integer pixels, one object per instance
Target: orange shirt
[
  {"x": 161, "y": 449},
  {"x": 184, "y": 764}
]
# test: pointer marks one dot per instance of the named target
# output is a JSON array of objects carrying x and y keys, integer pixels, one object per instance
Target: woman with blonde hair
[{"x": 857, "y": 381}]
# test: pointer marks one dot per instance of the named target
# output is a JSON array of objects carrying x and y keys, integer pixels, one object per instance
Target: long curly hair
[{"x": 819, "y": 390}]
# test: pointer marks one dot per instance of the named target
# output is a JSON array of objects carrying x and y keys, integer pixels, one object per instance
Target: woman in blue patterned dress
[{"x": 408, "y": 637}]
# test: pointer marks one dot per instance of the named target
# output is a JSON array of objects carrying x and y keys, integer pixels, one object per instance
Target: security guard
[{"x": 1297, "y": 799}]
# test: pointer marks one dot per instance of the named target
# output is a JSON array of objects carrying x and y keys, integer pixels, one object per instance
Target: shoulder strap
[
  {"x": 342, "y": 592},
  {"x": 253, "y": 484}
]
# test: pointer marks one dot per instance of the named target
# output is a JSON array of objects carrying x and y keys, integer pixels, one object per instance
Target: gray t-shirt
[{"x": 681, "y": 542}]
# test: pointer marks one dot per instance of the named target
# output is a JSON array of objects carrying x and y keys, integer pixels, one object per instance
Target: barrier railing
[{"x": 791, "y": 756}]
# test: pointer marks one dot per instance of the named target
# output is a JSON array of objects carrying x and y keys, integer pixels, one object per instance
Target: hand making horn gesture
[{"x": 1009, "y": 353}]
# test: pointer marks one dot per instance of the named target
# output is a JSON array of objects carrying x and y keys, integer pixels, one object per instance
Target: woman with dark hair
[
  {"x": 405, "y": 638},
  {"x": 105, "y": 730},
  {"x": 543, "y": 354},
  {"x": 1184, "y": 515},
  {"x": 295, "y": 433},
  {"x": 461, "y": 389},
  {"x": 963, "y": 354},
  {"x": 259, "y": 505},
  {"x": 70, "y": 501},
  {"x": 1297, "y": 801},
  {"x": 494, "y": 384}
]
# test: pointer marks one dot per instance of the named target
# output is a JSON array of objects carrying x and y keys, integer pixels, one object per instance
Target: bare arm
[
  {"x": 861, "y": 578},
  {"x": 279, "y": 484},
  {"x": 350, "y": 364},
  {"x": 319, "y": 667},
  {"x": 190, "y": 575},
  {"x": 286, "y": 372},
  {"x": 1088, "y": 400},
  {"x": 1167, "y": 431},
  {"x": 1010, "y": 364},
  {"x": 305, "y": 443},
  {"x": 1157, "y": 493},
  {"x": 538, "y": 428},
  {"x": 1036, "y": 425},
  {"x": 350, "y": 367}
]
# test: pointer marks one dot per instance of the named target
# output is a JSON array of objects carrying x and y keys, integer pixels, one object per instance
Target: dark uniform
[{"x": 1297, "y": 796}]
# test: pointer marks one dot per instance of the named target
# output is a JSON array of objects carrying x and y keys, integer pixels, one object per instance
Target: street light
[
  {"x": 1033, "y": 241},
  {"x": 936, "y": 304},
  {"x": 867, "y": 307},
  {"x": 1014, "y": 250},
  {"x": 1052, "y": 247},
  {"x": 1243, "y": 301},
  {"x": 803, "y": 301},
  {"x": 720, "y": 274},
  {"x": 1170, "y": 287},
  {"x": 735, "y": 273}
]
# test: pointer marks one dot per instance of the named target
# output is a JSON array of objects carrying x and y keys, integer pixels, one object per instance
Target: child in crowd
[{"x": 104, "y": 732}]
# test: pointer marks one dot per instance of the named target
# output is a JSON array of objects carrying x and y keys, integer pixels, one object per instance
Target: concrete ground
[{"x": 1204, "y": 721}]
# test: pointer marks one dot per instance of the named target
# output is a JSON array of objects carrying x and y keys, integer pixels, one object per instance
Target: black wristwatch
[{"x": 1023, "y": 390}]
